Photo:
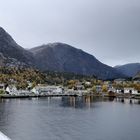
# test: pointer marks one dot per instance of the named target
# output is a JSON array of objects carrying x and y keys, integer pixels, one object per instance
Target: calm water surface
[{"x": 69, "y": 118}]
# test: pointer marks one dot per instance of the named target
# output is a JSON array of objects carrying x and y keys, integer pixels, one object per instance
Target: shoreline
[
  {"x": 60, "y": 95},
  {"x": 30, "y": 96}
]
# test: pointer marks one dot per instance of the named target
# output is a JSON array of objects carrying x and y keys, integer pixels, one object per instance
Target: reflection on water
[
  {"x": 87, "y": 101},
  {"x": 70, "y": 118},
  {"x": 79, "y": 102}
]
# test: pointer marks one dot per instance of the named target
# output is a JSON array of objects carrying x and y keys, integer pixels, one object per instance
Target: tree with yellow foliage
[{"x": 104, "y": 88}]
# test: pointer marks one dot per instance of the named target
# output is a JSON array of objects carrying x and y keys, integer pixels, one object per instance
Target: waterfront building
[
  {"x": 12, "y": 90},
  {"x": 47, "y": 90},
  {"x": 128, "y": 90}
]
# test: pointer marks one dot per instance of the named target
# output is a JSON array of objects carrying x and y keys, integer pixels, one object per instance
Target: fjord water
[{"x": 69, "y": 118}]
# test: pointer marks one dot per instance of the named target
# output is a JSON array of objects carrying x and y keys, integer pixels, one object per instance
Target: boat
[{"x": 3, "y": 137}]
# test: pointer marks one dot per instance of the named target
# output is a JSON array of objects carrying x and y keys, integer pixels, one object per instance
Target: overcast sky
[{"x": 107, "y": 29}]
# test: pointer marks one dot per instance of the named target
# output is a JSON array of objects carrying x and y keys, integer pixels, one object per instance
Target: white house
[
  {"x": 135, "y": 92},
  {"x": 12, "y": 90},
  {"x": 87, "y": 83},
  {"x": 47, "y": 90},
  {"x": 129, "y": 90},
  {"x": 119, "y": 90},
  {"x": 24, "y": 92}
]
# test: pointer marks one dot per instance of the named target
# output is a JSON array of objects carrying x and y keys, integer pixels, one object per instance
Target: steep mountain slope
[
  {"x": 129, "y": 69},
  {"x": 11, "y": 52},
  {"x": 56, "y": 57},
  {"x": 65, "y": 58}
]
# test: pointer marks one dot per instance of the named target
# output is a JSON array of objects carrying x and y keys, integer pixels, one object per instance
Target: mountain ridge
[
  {"x": 130, "y": 69},
  {"x": 11, "y": 50},
  {"x": 70, "y": 59},
  {"x": 57, "y": 56},
  {"x": 137, "y": 76}
]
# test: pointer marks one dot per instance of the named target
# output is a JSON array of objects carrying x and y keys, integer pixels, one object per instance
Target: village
[{"x": 117, "y": 87}]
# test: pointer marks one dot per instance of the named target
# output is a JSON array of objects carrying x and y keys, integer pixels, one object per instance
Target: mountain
[
  {"x": 65, "y": 58},
  {"x": 137, "y": 76},
  {"x": 11, "y": 53},
  {"x": 129, "y": 70},
  {"x": 58, "y": 57}
]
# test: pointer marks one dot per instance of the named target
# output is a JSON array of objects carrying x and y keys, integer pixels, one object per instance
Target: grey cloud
[{"x": 108, "y": 29}]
